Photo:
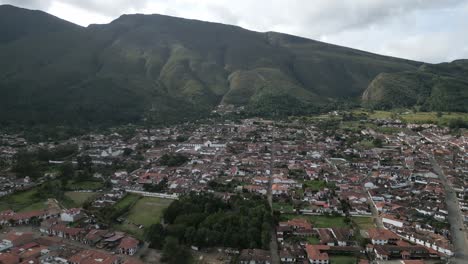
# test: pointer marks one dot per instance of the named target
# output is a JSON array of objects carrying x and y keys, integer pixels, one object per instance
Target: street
[
  {"x": 275, "y": 259},
  {"x": 455, "y": 218}
]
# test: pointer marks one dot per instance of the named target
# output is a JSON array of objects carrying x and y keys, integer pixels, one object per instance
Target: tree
[
  {"x": 155, "y": 236},
  {"x": 127, "y": 151},
  {"x": 67, "y": 170},
  {"x": 377, "y": 142},
  {"x": 174, "y": 253},
  {"x": 84, "y": 162}
]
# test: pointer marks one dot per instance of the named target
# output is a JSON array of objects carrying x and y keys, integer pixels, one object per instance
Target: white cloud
[{"x": 77, "y": 15}]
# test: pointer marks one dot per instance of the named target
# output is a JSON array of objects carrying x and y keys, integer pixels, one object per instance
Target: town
[{"x": 340, "y": 188}]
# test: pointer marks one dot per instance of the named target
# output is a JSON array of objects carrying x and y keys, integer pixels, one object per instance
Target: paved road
[
  {"x": 455, "y": 218},
  {"x": 375, "y": 214},
  {"x": 275, "y": 259}
]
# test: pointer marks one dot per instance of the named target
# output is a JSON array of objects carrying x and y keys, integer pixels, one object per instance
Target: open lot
[
  {"x": 79, "y": 198},
  {"x": 342, "y": 260},
  {"x": 315, "y": 185},
  {"x": 418, "y": 117},
  {"x": 85, "y": 185},
  {"x": 364, "y": 222},
  {"x": 283, "y": 207},
  {"x": 320, "y": 221},
  {"x": 146, "y": 211},
  {"x": 22, "y": 201}
]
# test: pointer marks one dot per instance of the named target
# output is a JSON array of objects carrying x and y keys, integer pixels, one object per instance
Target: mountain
[
  {"x": 167, "y": 69},
  {"x": 439, "y": 87}
]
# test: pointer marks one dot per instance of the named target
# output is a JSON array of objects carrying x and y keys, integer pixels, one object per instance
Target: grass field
[
  {"x": 79, "y": 197},
  {"x": 313, "y": 240},
  {"x": 320, "y": 221},
  {"x": 283, "y": 207},
  {"x": 418, "y": 117},
  {"x": 146, "y": 211},
  {"x": 315, "y": 185},
  {"x": 85, "y": 185},
  {"x": 128, "y": 200},
  {"x": 364, "y": 222},
  {"x": 22, "y": 201},
  {"x": 342, "y": 260}
]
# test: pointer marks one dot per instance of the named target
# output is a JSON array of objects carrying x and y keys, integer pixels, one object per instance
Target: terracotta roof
[
  {"x": 8, "y": 258},
  {"x": 297, "y": 223},
  {"x": 381, "y": 234},
  {"x": 313, "y": 252},
  {"x": 93, "y": 257},
  {"x": 128, "y": 243}
]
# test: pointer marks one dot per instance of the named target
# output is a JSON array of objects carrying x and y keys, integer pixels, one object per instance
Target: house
[
  {"x": 388, "y": 252},
  {"x": 325, "y": 236},
  {"x": 287, "y": 256},
  {"x": 390, "y": 220},
  {"x": 71, "y": 215},
  {"x": 18, "y": 238},
  {"x": 382, "y": 236},
  {"x": 9, "y": 258},
  {"x": 254, "y": 256},
  {"x": 93, "y": 257},
  {"x": 64, "y": 231},
  {"x": 256, "y": 188},
  {"x": 315, "y": 256},
  {"x": 277, "y": 189},
  {"x": 299, "y": 226},
  {"x": 94, "y": 236},
  {"x": 128, "y": 246},
  {"x": 342, "y": 236}
]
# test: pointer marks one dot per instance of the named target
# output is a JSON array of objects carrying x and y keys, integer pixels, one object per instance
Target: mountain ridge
[{"x": 162, "y": 68}]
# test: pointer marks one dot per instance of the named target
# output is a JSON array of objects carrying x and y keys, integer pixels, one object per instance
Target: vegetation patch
[
  {"x": 316, "y": 185},
  {"x": 364, "y": 223},
  {"x": 79, "y": 198},
  {"x": 343, "y": 260},
  {"x": 22, "y": 201},
  {"x": 85, "y": 185},
  {"x": 146, "y": 212},
  {"x": 283, "y": 207},
  {"x": 206, "y": 221}
]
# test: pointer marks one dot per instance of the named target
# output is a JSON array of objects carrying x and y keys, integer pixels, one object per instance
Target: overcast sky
[{"x": 426, "y": 30}]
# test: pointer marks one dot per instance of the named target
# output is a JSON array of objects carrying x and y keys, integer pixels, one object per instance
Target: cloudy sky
[{"x": 426, "y": 30}]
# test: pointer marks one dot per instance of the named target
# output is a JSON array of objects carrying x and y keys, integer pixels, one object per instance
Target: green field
[
  {"x": 146, "y": 211},
  {"x": 319, "y": 221},
  {"x": 364, "y": 222},
  {"x": 283, "y": 207},
  {"x": 418, "y": 117},
  {"x": 315, "y": 185},
  {"x": 22, "y": 201},
  {"x": 128, "y": 200},
  {"x": 85, "y": 185},
  {"x": 313, "y": 240},
  {"x": 342, "y": 260},
  {"x": 79, "y": 197}
]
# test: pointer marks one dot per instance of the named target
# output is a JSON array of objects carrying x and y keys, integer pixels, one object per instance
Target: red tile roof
[
  {"x": 381, "y": 234},
  {"x": 313, "y": 252},
  {"x": 8, "y": 258},
  {"x": 93, "y": 257},
  {"x": 128, "y": 243}
]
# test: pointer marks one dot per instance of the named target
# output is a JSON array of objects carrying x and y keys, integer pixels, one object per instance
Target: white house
[{"x": 71, "y": 215}]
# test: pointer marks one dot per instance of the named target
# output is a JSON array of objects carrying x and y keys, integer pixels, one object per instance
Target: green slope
[
  {"x": 440, "y": 87},
  {"x": 165, "y": 69}
]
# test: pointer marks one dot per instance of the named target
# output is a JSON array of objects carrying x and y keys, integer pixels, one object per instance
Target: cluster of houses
[
  {"x": 62, "y": 227},
  {"x": 29, "y": 248},
  {"x": 305, "y": 169}
]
